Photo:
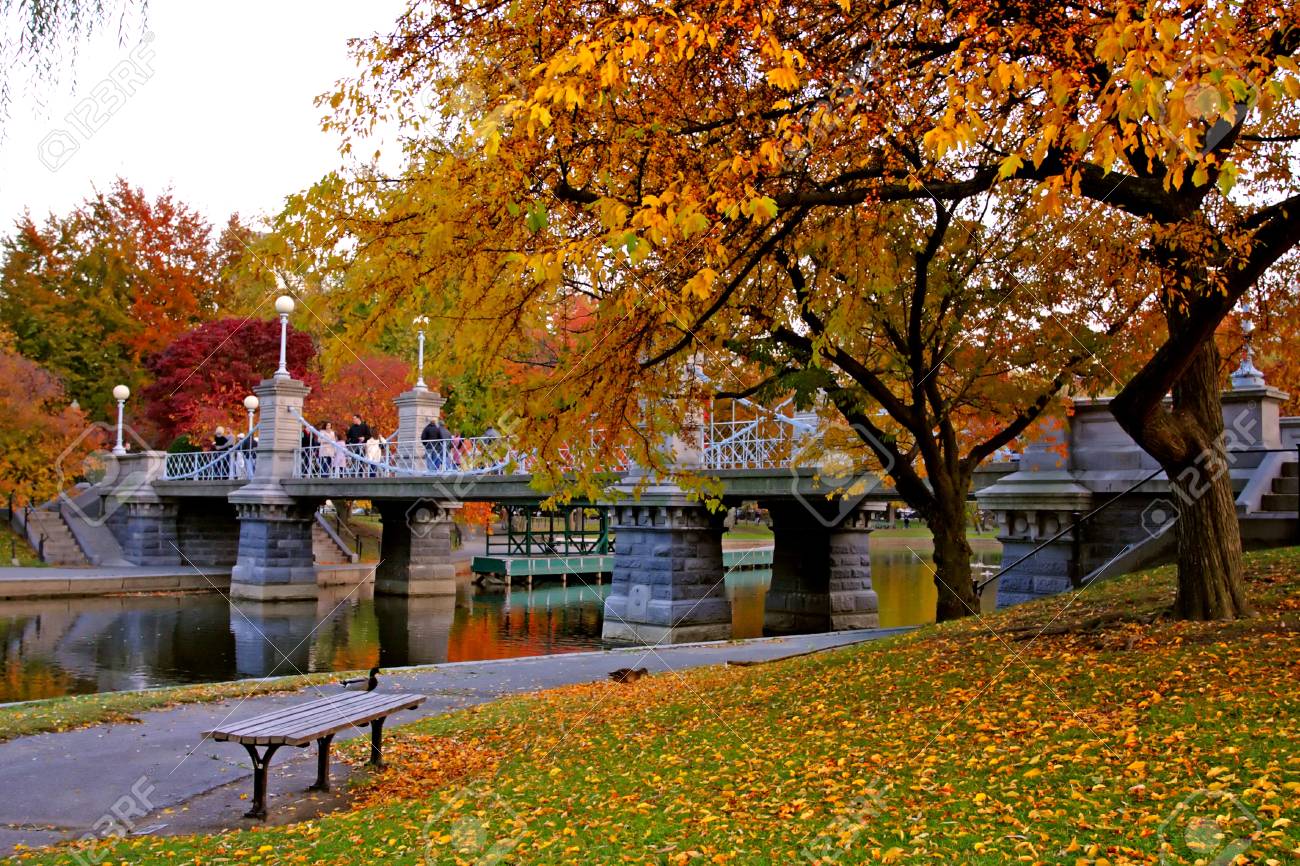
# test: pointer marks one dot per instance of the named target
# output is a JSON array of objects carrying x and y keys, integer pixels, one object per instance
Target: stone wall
[{"x": 208, "y": 530}]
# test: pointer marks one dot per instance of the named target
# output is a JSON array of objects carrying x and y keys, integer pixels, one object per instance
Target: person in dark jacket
[
  {"x": 310, "y": 456},
  {"x": 359, "y": 433},
  {"x": 436, "y": 439}
]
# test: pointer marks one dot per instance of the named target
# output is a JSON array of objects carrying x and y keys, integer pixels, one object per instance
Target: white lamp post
[
  {"x": 250, "y": 403},
  {"x": 120, "y": 394},
  {"x": 420, "y": 322},
  {"x": 283, "y": 306}
]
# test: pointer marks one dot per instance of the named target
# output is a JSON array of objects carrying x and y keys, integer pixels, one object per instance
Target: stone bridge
[{"x": 254, "y": 511}]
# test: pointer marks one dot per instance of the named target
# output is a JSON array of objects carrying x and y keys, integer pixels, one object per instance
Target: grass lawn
[
  {"x": 78, "y": 711},
  {"x": 1107, "y": 739},
  {"x": 749, "y": 531},
  {"x": 920, "y": 530},
  {"x": 12, "y": 544}
]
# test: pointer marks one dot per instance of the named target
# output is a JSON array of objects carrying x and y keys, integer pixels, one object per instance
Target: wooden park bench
[{"x": 316, "y": 721}]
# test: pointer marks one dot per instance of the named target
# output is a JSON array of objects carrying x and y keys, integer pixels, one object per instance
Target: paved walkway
[{"x": 76, "y": 777}]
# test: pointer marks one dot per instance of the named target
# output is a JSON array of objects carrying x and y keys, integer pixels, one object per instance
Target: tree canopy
[
  {"x": 94, "y": 293},
  {"x": 201, "y": 379},
  {"x": 662, "y": 162}
]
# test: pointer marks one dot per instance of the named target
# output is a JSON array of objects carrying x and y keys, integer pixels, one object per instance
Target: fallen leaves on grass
[{"x": 1167, "y": 742}]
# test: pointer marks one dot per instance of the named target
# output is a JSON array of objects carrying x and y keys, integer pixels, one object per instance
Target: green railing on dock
[{"x": 749, "y": 559}]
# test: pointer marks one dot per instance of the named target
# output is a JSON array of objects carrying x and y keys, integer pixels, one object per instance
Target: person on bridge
[
  {"x": 359, "y": 433},
  {"x": 374, "y": 453},
  {"x": 311, "y": 458},
  {"x": 333, "y": 452},
  {"x": 435, "y": 437},
  {"x": 220, "y": 442}
]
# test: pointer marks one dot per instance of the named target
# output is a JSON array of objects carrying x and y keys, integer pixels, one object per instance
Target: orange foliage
[{"x": 365, "y": 386}]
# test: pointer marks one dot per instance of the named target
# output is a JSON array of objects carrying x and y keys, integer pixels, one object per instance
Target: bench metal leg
[
  {"x": 322, "y": 764},
  {"x": 259, "y": 779},
  {"x": 376, "y": 743}
]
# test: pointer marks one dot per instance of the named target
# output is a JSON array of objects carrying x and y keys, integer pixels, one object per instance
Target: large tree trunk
[
  {"x": 1188, "y": 442},
  {"x": 1211, "y": 574},
  {"x": 952, "y": 555}
]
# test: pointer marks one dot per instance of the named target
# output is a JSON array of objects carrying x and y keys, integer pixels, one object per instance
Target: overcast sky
[{"x": 218, "y": 106}]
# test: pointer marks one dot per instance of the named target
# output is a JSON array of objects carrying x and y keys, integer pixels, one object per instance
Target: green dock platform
[{"x": 749, "y": 559}]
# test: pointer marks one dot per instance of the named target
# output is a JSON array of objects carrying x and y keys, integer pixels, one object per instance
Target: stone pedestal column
[
  {"x": 821, "y": 575},
  {"x": 149, "y": 535},
  {"x": 1252, "y": 418},
  {"x": 415, "y": 409},
  {"x": 668, "y": 573},
  {"x": 279, "y": 432},
  {"x": 276, "y": 561},
  {"x": 415, "y": 558}
]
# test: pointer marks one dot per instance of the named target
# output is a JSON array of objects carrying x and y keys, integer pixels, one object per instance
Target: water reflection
[
  {"x": 903, "y": 576},
  {"x": 71, "y": 646}
]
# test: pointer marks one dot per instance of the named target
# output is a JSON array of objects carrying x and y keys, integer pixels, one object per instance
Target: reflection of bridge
[{"x": 254, "y": 510}]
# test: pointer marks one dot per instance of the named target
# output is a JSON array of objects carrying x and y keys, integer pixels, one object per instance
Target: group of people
[
  {"x": 243, "y": 455},
  {"x": 326, "y": 453},
  {"x": 331, "y": 453}
]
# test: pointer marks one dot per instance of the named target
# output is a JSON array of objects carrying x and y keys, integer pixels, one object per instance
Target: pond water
[{"x": 73, "y": 646}]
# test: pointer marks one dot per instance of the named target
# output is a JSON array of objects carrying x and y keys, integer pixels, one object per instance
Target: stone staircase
[
  {"x": 1286, "y": 488},
  {"x": 59, "y": 547},
  {"x": 82, "y": 511},
  {"x": 329, "y": 545}
]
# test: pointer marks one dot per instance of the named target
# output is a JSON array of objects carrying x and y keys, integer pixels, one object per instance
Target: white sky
[{"x": 225, "y": 119}]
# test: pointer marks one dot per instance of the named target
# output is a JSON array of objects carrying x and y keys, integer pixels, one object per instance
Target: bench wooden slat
[
  {"x": 254, "y": 723},
  {"x": 326, "y": 721},
  {"x": 291, "y": 714},
  {"x": 257, "y": 730},
  {"x": 320, "y": 718},
  {"x": 279, "y": 715},
  {"x": 308, "y": 733}
]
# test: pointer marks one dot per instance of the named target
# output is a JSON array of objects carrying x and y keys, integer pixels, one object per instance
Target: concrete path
[
  {"x": 57, "y": 582},
  {"x": 74, "y": 779}
]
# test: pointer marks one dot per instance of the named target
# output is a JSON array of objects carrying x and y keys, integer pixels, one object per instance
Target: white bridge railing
[
  {"x": 485, "y": 455},
  {"x": 773, "y": 441},
  {"x": 769, "y": 442},
  {"x": 235, "y": 463}
]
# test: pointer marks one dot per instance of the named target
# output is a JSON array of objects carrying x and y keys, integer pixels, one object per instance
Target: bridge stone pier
[
  {"x": 821, "y": 570},
  {"x": 415, "y": 557},
  {"x": 668, "y": 582}
]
